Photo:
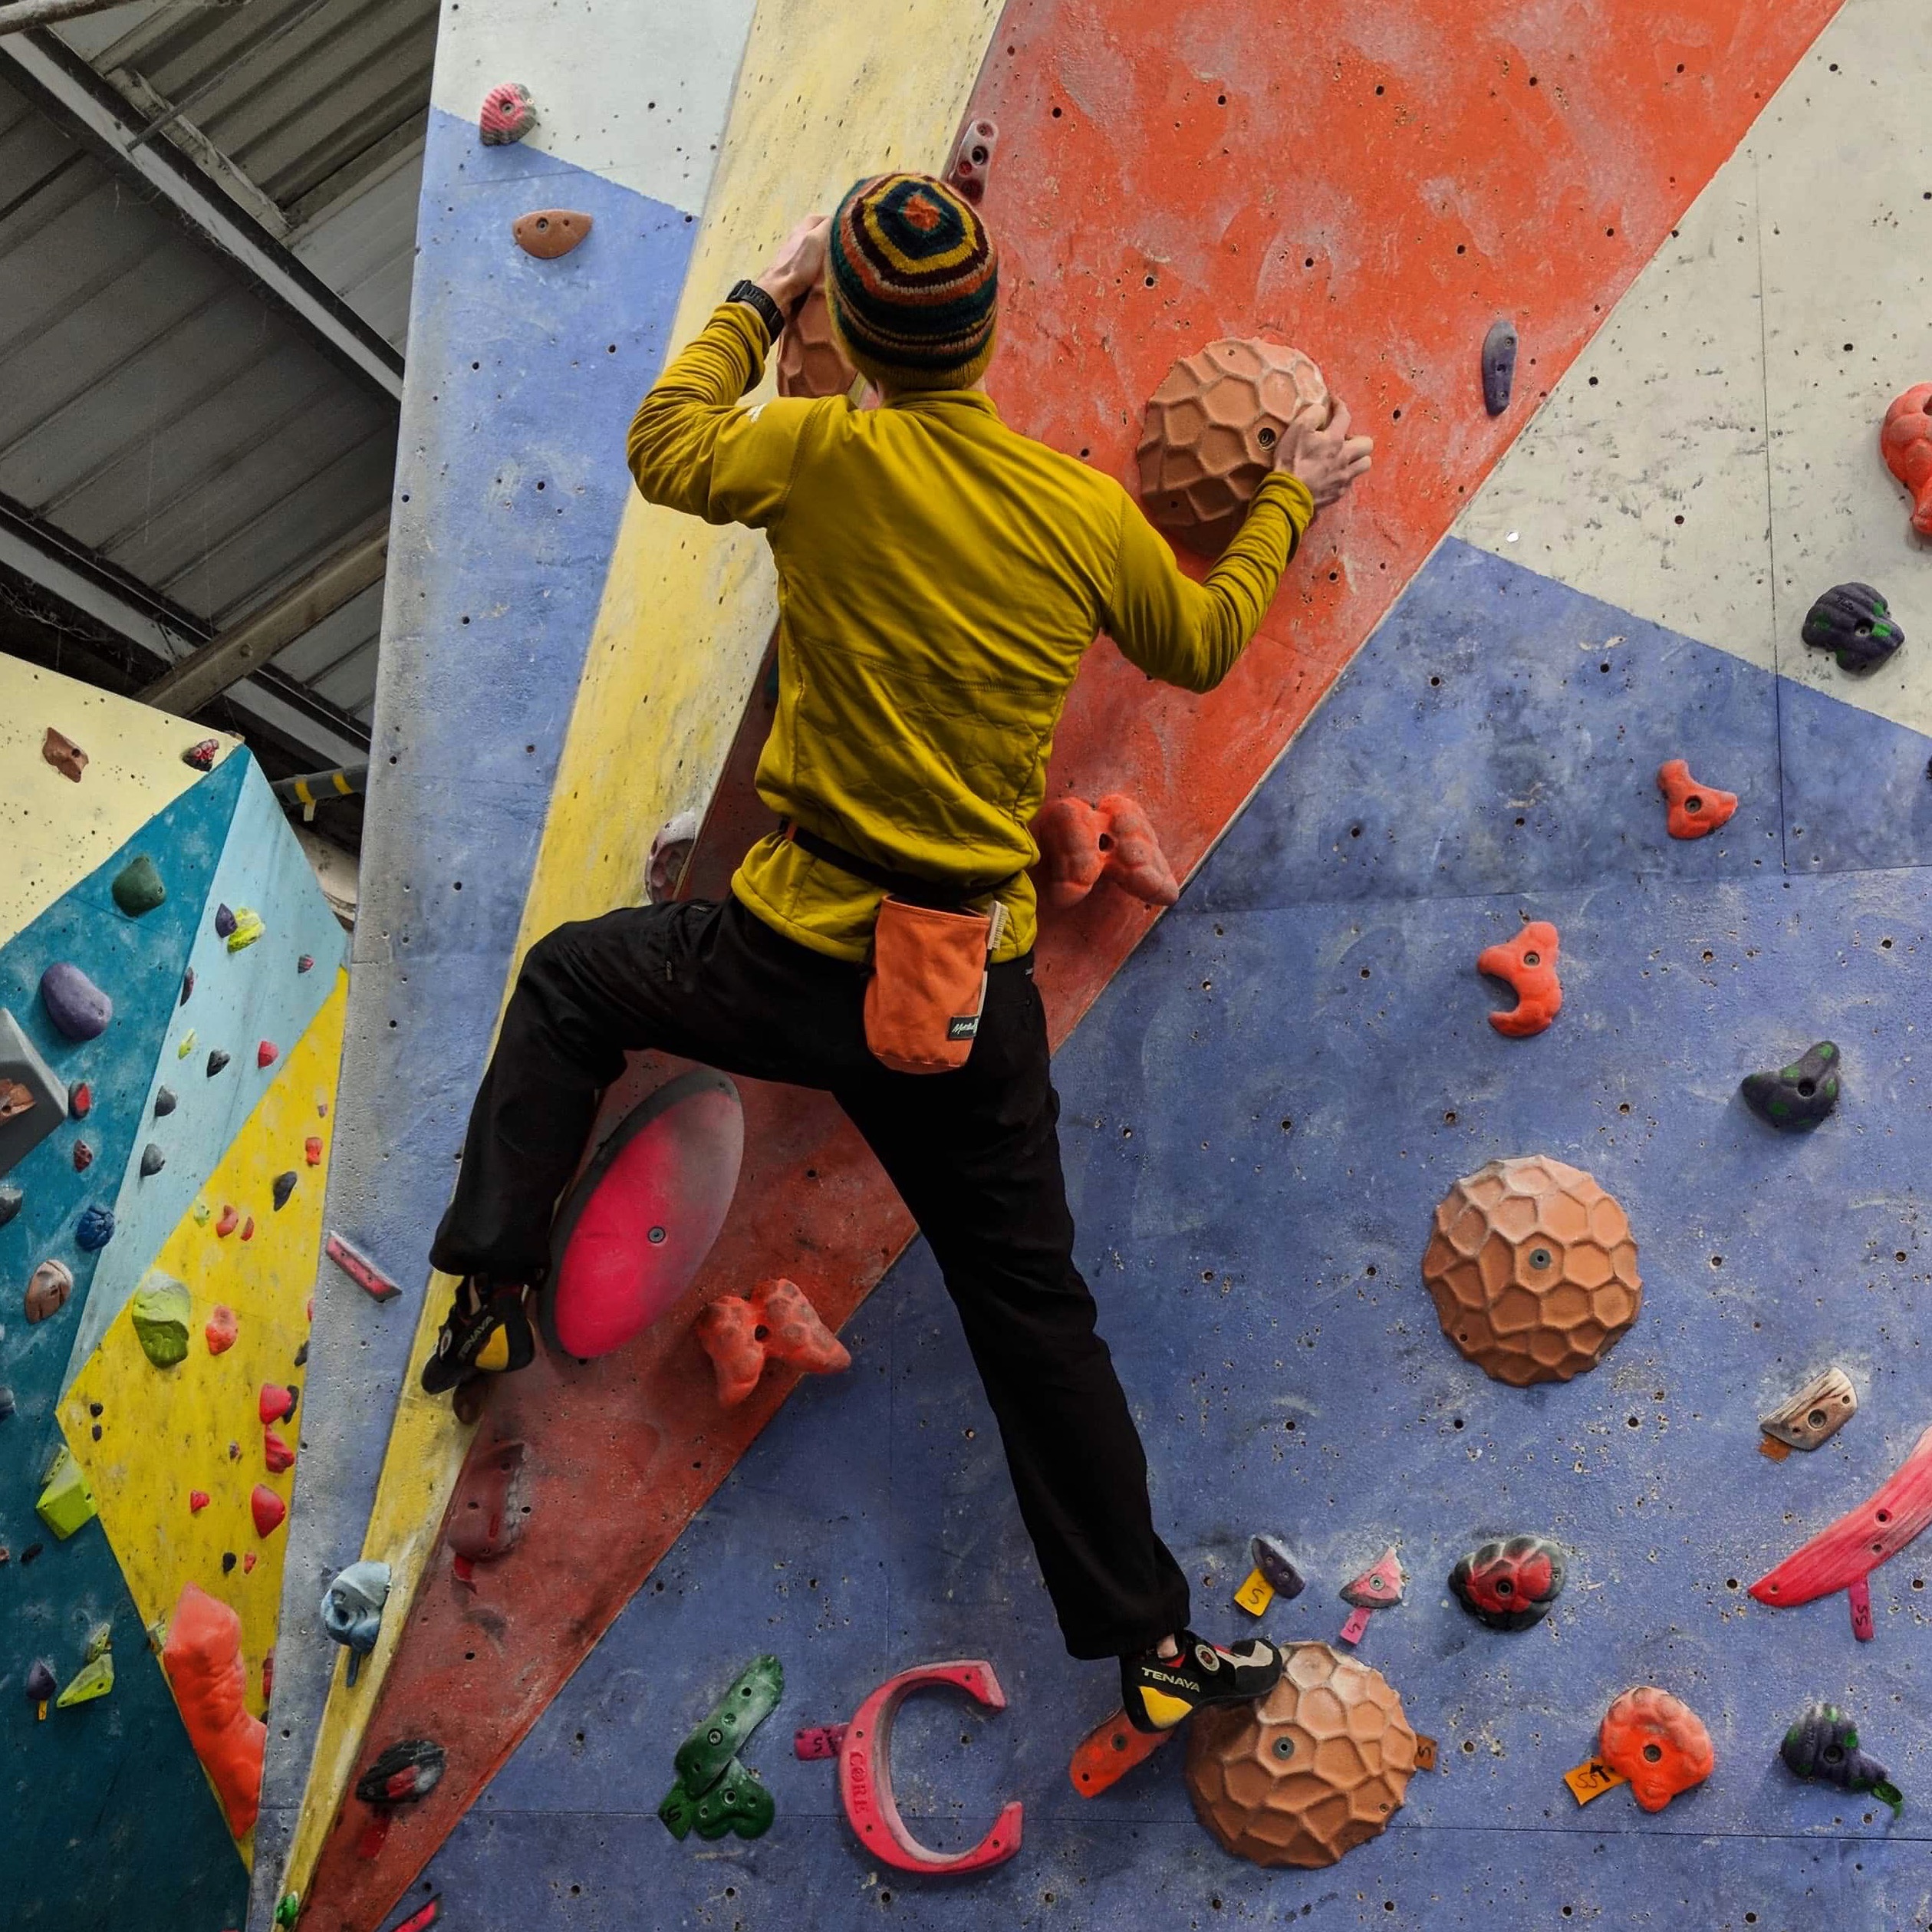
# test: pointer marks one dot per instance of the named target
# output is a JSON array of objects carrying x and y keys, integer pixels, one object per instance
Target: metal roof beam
[{"x": 65, "y": 86}]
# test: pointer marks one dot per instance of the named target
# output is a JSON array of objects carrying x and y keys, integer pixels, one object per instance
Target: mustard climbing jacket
[{"x": 939, "y": 578}]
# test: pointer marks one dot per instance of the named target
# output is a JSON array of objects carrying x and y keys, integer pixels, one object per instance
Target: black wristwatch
[{"x": 769, "y": 312}]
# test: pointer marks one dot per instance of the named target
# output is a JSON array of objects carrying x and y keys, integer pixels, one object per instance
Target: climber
[{"x": 940, "y": 577}]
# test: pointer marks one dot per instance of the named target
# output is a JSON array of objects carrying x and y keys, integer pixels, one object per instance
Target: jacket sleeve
[
  {"x": 693, "y": 447},
  {"x": 1188, "y": 634}
]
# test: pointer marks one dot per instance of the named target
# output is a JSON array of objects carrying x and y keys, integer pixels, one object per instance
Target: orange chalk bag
[{"x": 926, "y": 988}]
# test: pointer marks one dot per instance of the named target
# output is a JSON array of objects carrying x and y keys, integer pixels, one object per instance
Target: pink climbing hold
[
  {"x": 220, "y": 1330},
  {"x": 229, "y": 1221},
  {"x": 355, "y": 1263},
  {"x": 202, "y": 756},
  {"x": 776, "y": 1324},
  {"x": 197, "y": 1502},
  {"x": 266, "y": 1053},
  {"x": 276, "y": 1452},
  {"x": 275, "y": 1403},
  {"x": 507, "y": 114},
  {"x": 312, "y": 1150},
  {"x": 267, "y": 1509}
]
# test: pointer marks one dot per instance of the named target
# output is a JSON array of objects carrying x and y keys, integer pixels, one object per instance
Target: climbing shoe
[
  {"x": 1158, "y": 1691},
  {"x": 487, "y": 1331}
]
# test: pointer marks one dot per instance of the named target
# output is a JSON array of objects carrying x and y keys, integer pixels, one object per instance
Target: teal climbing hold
[{"x": 138, "y": 887}]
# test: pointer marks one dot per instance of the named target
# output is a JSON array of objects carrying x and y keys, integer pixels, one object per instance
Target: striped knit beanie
[{"x": 913, "y": 281}]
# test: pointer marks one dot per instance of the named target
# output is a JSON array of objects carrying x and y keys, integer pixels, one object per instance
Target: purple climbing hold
[
  {"x": 94, "y": 1229},
  {"x": 10, "y": 1201},
  {"x": 285, "y": 1186},
  {"x": 165, "y": 1102},
  {"x": 41, "y": 1682},
  {"x": 152, "y": 1161},
  {"x": 75, "y": 1004},
  {"x": 187, "y": 985},
  {"x": 217, "y": 1059},
  {"x": 224, "y": 922}
]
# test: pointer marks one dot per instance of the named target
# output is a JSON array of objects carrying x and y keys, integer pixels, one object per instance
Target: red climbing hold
[
  {"x": 487, "y": 1514},
  {"x": 276, "y": 1452},
  {"x": 507, "y": 115},
  {"x": 312, "y": 1150},
  {"x": 267, "y": 1509},
  {"x": 1081, "y": 844},
  {"x": 266, "y": 1053},
  {"x": 1695, "y": 809},
  {"x": 1906, "y": 441},
  {"x": 267, "y": 1675},
  {"x": 1527, "y": 963},
  {"x": 248, "y": 1559},
  {"x": 221, "y": 1329},
  {"x": 355, "y": 1263},
  {"x": 80, "y": 1100},
  {"x": 202, "y": 756},
  {"x": 197, "y": 1502},
  {"x": 776, "y": 1324},
  {"x": 1109, "y": 1752},
  {"x": 972, "y": 160},
  {"x": 202, "y": 1658},
  {"x": 63, "y": 755},
  {"x": 549, "y": 232},
  {"x": 274, "y": 1402},
  {"x": 247, "y": 1229},
  {"x": 229, "y": 1221}
]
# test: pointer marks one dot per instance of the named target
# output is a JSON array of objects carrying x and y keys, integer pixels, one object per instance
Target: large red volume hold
[
  {"x": 1859, "y": 1540},
  {"x": 1907, "y": 442},
  {"x": 202, "y": 1657}
]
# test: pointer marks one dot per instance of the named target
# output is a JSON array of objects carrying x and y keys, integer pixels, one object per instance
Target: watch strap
[{"x": 754, "y": 297}]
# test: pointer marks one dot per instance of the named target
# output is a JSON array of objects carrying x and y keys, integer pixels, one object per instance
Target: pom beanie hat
[{"x": 913, "y": 280}]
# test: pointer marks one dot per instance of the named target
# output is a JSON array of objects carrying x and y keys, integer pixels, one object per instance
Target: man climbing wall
[{"x": 940, "y": 579}]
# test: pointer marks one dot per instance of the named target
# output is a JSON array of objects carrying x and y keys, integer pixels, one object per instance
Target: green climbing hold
[
  {"x": 737, "y": 1802},
  {"x": 677, "y": 1810},
  {"x": 288, "y": 1909},
  {"x": 703, "y": 1756},
  {"x": 65, "y": 1503},
  {"x": 161, "y": 1309},
  {"x": 95, "y": 1678},
  {"x": 137, "y": 887}
]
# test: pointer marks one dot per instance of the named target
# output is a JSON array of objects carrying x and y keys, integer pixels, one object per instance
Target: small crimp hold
[
  {"x": 63, "y": 755},
  {"x": 1695, "y": 809},
  {"x": 1795, "y": 1098},
  {"x": 507, "y": 114},
  {"x": 1499, "y": 365}
]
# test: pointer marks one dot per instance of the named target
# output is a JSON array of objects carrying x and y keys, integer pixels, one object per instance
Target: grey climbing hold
[
  {"x": 94, "y": 1229},
  {"x": 1796, "y": 1097},
  {"x": 352, "y": 1609},
  {"x": 10, "y": 1201},
  {"x": 76, "y": 1006},
  {"x": 285, "y": 1186},
  {"x": 165, "y": 1102},
  {"x": 138, "y": 887},
  {"x": 217, "y": 1059},
  {"x": 152, "y": 1161},
  {"x": 1272, "y": 1558},
  {"x": 1499, "y": 365},
  {"x": 33, "y": 1103},
  {"x": 224, "y": 922},
  {"x": 8, "y": 1404},
  {"x": 41, "y": 1682}
]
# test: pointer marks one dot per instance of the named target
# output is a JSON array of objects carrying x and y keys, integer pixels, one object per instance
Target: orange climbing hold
[
  {"x": 549, "y": 232},
  {"x": 777, "y": 1323},
  {"x": 202, "y": 1657},
  {"x": 267, "y": 1509},
  {"x": 276, "y": 1452},
  {"x": 220, "y": 1330},
  {"x": 1081, "y": 844},
  {"x": 1658, "y": 1742},
  {"x": 312, "y": 1150},
  {"x": 1906, "y": 441},
  {"x": 1528, "y": 964},
  {"x": 1695, "y": 809}
]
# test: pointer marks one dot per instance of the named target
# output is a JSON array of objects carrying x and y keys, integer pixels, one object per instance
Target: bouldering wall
[
  {"x": 1378, "y": 191},
  {"x": 156, "y": 1194}
]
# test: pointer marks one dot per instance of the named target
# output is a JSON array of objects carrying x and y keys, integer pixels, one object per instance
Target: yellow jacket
[{"x": 939, "y": 578}]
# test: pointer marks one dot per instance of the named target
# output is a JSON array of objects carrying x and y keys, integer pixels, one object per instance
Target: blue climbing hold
[{"x": 94, "y": 1229}]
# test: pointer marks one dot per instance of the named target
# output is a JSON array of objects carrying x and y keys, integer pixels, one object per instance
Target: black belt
[{"x": 908, "y": 886}]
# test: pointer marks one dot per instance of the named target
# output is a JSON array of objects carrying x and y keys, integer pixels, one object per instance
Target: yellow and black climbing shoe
[
  {"x": 486, "y": 1331},
  {"x": 1158, "y": 1691}
]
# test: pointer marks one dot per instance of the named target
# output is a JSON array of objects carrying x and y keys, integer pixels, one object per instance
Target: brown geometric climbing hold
[
  {"x": 274, "y": 1402},
  {"x": 15, "y": 1100},
  {"x": 221, "y": 1329},
  {"x": 487, "y": 1514},
  {"x": 1658, "y": 1742},
  {"x": 549, "y": 232},
  {"x": 506, "y": 114},
  {"x": 312, "y": 1150},
  {"x": 47, "y": 1291},
  {"x": 229, "y": 1223},
  {"x": 1528, "y": 964},
  {"x": 972, "y": 160},
  {"x": 276, "y": 1452},
  {"x": 1532, "y": 1270},
  {"x": 809, "y": 361},
  {"x": 1815, "y": 1414},
  {"x": 202, "y": 756},
  {"x": 1906, "y": 443},
  {"x": 1081, "y": 844},
  {"x": 1304, "y": 1775},
  {"x": 264, "y": 1054},
  {"x": 267, "y": 1509},
  {"x": 1695, "y": 809},
  {"x": 1212, "y": 429},
  {"x": 202, "y": 1658},
  {"x": 63, "y": 755},
  {"x": 777, "y": 1323}
]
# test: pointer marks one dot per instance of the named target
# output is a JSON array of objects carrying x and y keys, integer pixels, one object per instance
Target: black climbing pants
[{"x": 975, "y": 1154}]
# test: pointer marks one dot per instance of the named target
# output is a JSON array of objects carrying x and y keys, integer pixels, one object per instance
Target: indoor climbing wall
[
  {"x": 1268, "y": 1100},
  {"x": 172, "y": 984}
]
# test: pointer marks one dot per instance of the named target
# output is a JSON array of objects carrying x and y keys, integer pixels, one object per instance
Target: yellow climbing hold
[
  {"x": 65, "y": 1503},
  {"x": 94, "y": 1678},
  {"x": 187, "y": 1046},
  {"x": 248, "y": 928},
  {"x": 201, "y": 1214}
]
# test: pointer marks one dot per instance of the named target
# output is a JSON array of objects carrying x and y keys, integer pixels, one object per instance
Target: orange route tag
[
  {"x": 1256, "y": 1594},
  {"x": 1770, "y": 1445},
  {"x": 1425, "y": 1753},
  {"x": 1591, "y": 1779}
]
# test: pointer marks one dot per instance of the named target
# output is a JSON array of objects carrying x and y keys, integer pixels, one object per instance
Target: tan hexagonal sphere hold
[
  {"x": 1317, "y": 1767},
  {"x": 811, "y": 363},
  {"x": 1533, "y": 1270},
  {"x": 1211, "y": 430}
]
